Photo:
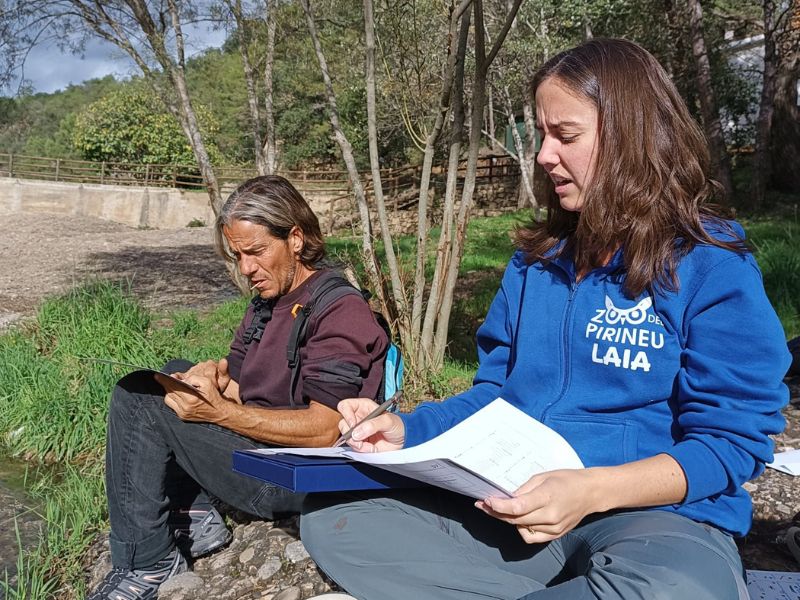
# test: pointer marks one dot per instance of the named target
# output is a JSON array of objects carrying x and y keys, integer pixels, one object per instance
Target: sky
[{"x": 48, "y": 69}]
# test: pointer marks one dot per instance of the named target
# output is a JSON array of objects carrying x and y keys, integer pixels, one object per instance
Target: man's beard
[{"x": 284, "y": 285}]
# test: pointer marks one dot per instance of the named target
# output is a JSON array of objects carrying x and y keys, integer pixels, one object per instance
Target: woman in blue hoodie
[{"x": 634, "y": 322}]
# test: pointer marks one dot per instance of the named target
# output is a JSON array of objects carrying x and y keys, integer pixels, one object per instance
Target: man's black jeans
[{"x": 155, "y": 461}]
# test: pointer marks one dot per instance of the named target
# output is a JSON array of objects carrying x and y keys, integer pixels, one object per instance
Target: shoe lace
[{"x": 110, "y": 582}]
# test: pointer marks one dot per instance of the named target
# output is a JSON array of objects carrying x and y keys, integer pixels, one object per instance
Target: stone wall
[
  {"x": 155, "y": 208},
  {"x": 168, "y": 208}
]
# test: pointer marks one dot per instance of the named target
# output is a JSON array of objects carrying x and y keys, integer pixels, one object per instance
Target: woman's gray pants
[{"x": 428, "y": 543}]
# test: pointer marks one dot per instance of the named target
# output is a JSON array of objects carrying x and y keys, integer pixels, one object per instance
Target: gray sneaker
[
  {"x": 140, "y": 584},
  {"x": 199, "y": 532}
]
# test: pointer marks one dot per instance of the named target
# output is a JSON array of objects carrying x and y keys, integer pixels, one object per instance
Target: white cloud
[{"x": 48, "y": 69}]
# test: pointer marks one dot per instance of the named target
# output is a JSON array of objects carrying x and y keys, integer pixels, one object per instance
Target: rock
[
  {"x": 246, "y": 556},
  {"x": 292, "y": 593},
  {"x": 180, "y": 583},
  {"x": 268, "y": 569},
  {"x": 296, "y": 552}
]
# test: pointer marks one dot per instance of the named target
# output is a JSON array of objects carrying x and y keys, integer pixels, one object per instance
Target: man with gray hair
[{"x": 169, "y": 450}]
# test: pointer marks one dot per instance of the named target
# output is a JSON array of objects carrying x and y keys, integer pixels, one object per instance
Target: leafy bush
[{"x": 131, "y": 125}]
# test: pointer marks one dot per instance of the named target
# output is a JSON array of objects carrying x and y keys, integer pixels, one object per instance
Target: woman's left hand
[{"x": 547, "y": 506}]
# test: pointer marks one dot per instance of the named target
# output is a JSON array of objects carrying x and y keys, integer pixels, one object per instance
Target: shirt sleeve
[
  {"x": 494, "y": 338},
  {"x": 730, "y": 386},
  {"x": 343, "y": 354}
]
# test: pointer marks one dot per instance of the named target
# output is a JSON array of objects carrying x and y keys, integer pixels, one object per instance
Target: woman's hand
[
  {"x": 548, "y": 505},
  {"x": 381, "y": 434}
]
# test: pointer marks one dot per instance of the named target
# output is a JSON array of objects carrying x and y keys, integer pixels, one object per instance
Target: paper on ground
[
  {"x": 492, "y": 452},
  {"x": 773, "y": 585},
  {"x": 788, "y": 462}
]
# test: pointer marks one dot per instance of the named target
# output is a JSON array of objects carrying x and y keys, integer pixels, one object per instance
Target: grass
[{"x": 53, "y": 406}]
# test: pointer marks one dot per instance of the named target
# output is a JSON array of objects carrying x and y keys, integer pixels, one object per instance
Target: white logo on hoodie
[{"x": 616, "y": 326}]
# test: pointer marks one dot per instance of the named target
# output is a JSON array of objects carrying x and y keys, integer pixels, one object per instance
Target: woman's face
[{"x": 568, "y": 125}]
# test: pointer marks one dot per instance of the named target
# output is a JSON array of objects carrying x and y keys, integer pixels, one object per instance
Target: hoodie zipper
[{"x": 566, "y": 321}]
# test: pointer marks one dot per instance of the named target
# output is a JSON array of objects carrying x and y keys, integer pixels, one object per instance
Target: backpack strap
[
  {"x": 330, "y": 288},
  {"x": 262, "y": 313}
]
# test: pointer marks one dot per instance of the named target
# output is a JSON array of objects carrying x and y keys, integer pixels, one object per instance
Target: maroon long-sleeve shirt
[{"x": 342, "y": 356}]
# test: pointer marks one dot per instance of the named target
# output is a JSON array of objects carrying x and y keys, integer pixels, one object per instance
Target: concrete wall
[
  {"x": 168, "y": 208},
  {"x": 157, "y": 208}
]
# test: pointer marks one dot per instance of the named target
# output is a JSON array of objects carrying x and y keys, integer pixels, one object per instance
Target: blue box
[{"x": 317, "y": 474}]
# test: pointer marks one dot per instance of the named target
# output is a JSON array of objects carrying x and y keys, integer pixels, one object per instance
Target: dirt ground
[{"x": 43, "y": 254}]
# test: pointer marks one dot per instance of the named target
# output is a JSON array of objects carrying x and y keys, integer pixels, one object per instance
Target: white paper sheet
[
  {"x": 492, "y": 452},
  {"x": 787, "y": 462}
]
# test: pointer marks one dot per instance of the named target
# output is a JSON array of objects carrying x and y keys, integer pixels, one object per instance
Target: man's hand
[
  {"x": 213, "y": 370},
  {"x": 547, "y": 506},
  {"x": 207, "y": 406},
  {"x": 381, "y": 434}
]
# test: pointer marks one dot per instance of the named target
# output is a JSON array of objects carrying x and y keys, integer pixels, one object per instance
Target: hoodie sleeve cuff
[
  {"x": 421, "y": 425},
  {"x": 705, "y": 475}
]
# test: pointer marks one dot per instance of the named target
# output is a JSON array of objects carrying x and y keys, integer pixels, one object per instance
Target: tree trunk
[
  {"x": 400, "y": 310},
  {"x": 456, "y": 53},
  {"x": 762, "y": 166},
  {"x": 708, "y": 104},
  {"x": 177, "y": 75},
  {"x": 785, "y": 146},
  {"x": 370, "y": 261},
  {"x": 482, "y": 63},
  {"x": 443, "y": 247},
  {"x": 270, "y": 150},
  {"x": 525, "y": 195},
  {"x": 235, "y": 7},
  {"x": 528, "y": 161}
]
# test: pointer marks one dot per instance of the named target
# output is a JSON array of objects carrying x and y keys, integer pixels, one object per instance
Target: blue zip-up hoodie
[{"x": 696, "y": 374}]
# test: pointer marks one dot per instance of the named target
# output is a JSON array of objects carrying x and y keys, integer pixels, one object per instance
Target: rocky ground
[{"x": 45, "y": 254}]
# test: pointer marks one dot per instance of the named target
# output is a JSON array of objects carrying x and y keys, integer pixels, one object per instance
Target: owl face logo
[{"x": 634, "y": 315}]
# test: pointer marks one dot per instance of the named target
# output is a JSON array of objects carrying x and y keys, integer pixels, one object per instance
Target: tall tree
[
  {"x": 149, "y": 31},
  {"x": 708, "y": 100},
  {"x": 762, "y": 165},
  {"x": 398, "y": 310},
  {"x": 448, "y": 263},
  {"x": 262, "y": 121},
  {"x": 785, "y": 146},
  {"x": 368, "y": 249}
]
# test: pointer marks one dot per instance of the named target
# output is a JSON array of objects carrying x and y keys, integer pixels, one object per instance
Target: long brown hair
[
  {"x": 272, "y": 201},
  {"x": 651, "y": 185}
]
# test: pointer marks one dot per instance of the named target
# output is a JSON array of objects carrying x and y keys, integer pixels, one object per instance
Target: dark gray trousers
[
  {"x": 432, "y": 544},
  {"x": 155, "y": 461}
]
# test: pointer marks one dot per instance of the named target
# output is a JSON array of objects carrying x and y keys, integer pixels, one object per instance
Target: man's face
[{"x": 271, "y": 264}]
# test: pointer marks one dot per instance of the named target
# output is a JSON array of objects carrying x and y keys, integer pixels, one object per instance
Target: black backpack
[
  {"x": 330, "y": 287},
  {"x": 794, "y": 348}
]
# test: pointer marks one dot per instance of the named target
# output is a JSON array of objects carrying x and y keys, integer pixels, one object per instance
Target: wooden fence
[{"x": 395, "y": 181}]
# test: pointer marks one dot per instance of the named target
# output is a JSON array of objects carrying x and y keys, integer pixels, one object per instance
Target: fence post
[
  {"x": 146, "y": 173},
  {"x": 174, "y": 176},
  {"x": 11, "y": 165},
  {"x": 102, "y": 172},
  {"x": 58, "y": 164}
]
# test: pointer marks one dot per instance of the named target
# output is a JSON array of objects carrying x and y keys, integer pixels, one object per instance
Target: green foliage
[
  {"x": 777, "y": 250},
  {"x": 34, "y": 123},
  {"x": 131, "y": 125}
]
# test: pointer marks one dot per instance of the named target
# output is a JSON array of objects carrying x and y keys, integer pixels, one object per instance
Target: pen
[{"x": 395, "y": 398}]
